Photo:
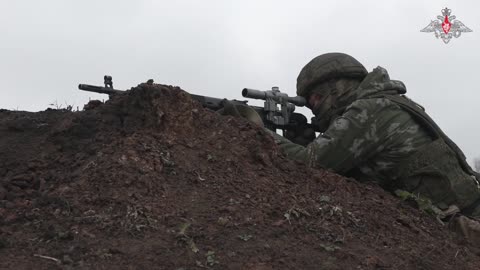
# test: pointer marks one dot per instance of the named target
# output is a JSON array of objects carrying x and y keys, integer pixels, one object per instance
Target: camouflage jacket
[{"x": 374, "y": 137}]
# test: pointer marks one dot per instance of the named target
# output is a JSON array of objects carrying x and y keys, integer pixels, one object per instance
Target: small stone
[
  {"x": 222, "y": 221},
  {"x": 67, "y": 259},
  {"x": 90, "y": 212},
  {"x": 325, "y": 198}
]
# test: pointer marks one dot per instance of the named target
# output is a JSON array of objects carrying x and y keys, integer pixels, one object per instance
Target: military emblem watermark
[{"x": 446, "y": 26}]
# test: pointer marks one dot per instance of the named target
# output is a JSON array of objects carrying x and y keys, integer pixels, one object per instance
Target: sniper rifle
[{"x": 277, "y": 112}]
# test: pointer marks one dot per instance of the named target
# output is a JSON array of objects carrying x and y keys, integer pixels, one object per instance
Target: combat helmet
[{"x": 325, "y": 67}]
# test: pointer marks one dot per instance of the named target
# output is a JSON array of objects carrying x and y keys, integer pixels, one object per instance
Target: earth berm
[{"x": 151, "y": 180}]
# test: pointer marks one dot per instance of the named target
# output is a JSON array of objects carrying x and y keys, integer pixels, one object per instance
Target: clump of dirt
[{"x": 151, "y": 180}]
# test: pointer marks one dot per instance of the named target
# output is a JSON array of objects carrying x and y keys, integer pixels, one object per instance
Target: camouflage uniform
[
  {"x": 371, "y": 130},
  {"x": 375, "y": 134}
]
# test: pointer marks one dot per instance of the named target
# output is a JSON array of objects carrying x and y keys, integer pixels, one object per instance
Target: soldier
[{"x": 371, "y": 130}]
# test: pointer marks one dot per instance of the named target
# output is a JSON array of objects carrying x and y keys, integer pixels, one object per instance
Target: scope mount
[{"x": 273, "y": 98}]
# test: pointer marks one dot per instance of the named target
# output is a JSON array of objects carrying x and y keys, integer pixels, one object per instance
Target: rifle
[
  {"x": 107, "y": 89},
  {"x": 293, "y": 125}
]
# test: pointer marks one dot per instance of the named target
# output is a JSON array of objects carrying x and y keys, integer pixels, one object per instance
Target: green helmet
[{"x": 328, "y": 66}]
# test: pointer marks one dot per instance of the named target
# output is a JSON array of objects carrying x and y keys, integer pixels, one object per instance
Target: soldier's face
[
  {"x": 314, "y": 101},
  {"x": 319, "y": 103}
]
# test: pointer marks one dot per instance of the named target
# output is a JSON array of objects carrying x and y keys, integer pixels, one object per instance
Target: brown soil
[{"x": 151, "y": 180}]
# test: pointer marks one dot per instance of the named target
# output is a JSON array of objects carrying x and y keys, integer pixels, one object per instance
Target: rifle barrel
[{"x": 99, "y": 89}]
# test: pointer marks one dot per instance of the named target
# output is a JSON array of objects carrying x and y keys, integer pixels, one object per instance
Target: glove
[
  {"x": 240, "y": 110},
  {"x": 301, "y": 136}
]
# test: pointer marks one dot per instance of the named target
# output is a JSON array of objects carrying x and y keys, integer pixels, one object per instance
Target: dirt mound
[{"x": 151, "y": 180}]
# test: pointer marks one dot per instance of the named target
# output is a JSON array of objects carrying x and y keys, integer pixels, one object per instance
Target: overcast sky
[{"x": 216, "y": 48}]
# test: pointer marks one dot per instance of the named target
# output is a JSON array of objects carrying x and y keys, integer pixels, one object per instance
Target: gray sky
[{"x": 216, "y": 48}]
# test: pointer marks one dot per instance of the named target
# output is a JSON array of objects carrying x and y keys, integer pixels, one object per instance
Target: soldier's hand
[{"x": 301, "y": 136}]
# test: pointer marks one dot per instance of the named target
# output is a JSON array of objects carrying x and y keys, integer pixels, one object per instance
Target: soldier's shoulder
[{"x": 372, "y": 104}]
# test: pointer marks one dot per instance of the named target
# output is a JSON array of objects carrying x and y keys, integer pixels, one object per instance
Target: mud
[{"x": 151, "y": 180}]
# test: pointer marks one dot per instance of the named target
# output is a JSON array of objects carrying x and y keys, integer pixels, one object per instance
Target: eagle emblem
[{"x": 446, "y": 26}]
